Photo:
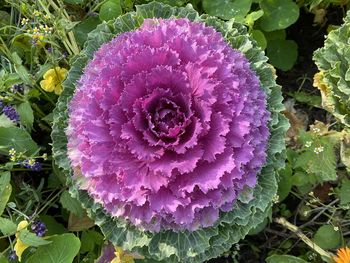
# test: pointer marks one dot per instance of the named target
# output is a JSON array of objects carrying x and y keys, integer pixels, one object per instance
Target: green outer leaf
[
  {"x": 334, "y": 61},
  {"x": 20, "y": 140},
  {"x": 185, "y": 246},
  {"x": 284, "y": 259},
  {"x": 5, "y": 190},
  {"x": 63, "y": 249}
]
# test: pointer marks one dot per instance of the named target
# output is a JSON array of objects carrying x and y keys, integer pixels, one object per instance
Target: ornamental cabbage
[
  {"x": 169, "y": 129},
  {"x": 333, "y": 78}
]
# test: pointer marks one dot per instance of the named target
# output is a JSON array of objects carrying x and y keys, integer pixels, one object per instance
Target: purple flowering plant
[{"x": 169, "y": 129}]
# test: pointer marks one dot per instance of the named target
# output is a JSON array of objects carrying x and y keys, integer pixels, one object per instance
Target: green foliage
[
  {"x": 278, "y": 14},
  {"x": 71, "y": 204},
  {"x": 224, "y": 9},
  {"x": 62, "y": 249},
  {"x": 344, "y": 192},
  {"x": 5, "y": 190},
  {"x": 327, "y": 238},
  {"x": 282, "y": 53},
  {"x": 333, "y": 81},
  {"x": 110, "y": 9},
  {"x": 7, "y": 227},
  {"x": 284, "y": 259},
  {"x": 18, "y": 139}
]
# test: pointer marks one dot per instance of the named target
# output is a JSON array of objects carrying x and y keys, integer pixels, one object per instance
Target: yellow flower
[
  {"x": 122, "y": 257},
  {"x": 343, "y": 255},
  {"x": 53, "y": 79},
  {"x": 20, "y": 246}
]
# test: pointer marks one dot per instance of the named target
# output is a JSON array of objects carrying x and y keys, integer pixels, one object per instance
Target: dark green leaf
[
  {"x": 227, "y": 9},
  {"x": 285, "y": 183},
  {"x": 63, "y": 249},
  {"x": 327, "y": 238},
  {"x": 284, "y": 259},
  {"x": 110, "y": 10},
  {"x": 26, "y": 115},
  {"x": 344, "y": 192},
  {"x": 282, "y": 53},
  {"x": 19, "y": 139},
  {"x": 259, "y": 37},
  {"x": 71, "y": 204},
  {"x": 81, "y": 31},
  {"x": 278, "y": 14}
]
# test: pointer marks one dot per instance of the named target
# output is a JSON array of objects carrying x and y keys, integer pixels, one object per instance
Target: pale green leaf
[
  {"x": 7, "y": 227},
  {"x": 31, "y": 239}
]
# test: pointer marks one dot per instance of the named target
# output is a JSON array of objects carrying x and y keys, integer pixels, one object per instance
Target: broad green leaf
[
  {"x": 81, "y": 30},
  {"x": 285, "y": 183},
  {"x": 74, "y": 2},
  {"x": 25, "y": 112},
  {"x": 278, "y": 14},
  {"x": 310, "y": 161},
  {"x": 71, "y": 204},
  {"x": 110, "y": 9},
  {"x": 6, "y": 122},
  {"x": 5, "y": 190},
  {"x": 19, "y": 139},
  {"x": 227, "y": 9},
  {"x": 3, "y": 259},
  {"x": 7, "y": 227},
  {"x": 278, "y": 34},
  {"x": 89, "y": 240},
  {"x": 284, "y": 259},
  {"x": 31, "y": 239},
  {"x": 5, "y": 18},
  {"x": 344, "y": 192},
  {"x": 63, "y": 249},
  {"x": 282, "y": 53},
  {"x": 259, "y": 37},
  {"x": 327, "y": 238}
]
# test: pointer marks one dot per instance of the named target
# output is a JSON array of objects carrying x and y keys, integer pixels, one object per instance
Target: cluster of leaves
[{"x": 36, "y": 36}]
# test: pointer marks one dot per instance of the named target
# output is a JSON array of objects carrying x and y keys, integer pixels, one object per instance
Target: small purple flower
[
  {"x": 17, "y": 88},
  {"x": 12, "y": 255},
  {"x": 31, "y": 164},
  {"x": 39, "y": 228},
  {"x": 11, "y": 113},
  {"x": 50, "y": 50}
]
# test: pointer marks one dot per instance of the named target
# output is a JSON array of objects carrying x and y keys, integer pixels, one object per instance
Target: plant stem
[{"x": 282, "y": 221}]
